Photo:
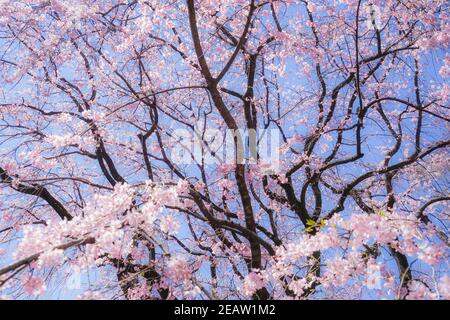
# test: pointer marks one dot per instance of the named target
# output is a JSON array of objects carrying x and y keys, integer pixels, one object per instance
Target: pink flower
[
  {"x": 430, "y": 254},
  {"x": 298, "y": 286},
  {"x": 7, "y": 216},
  {"x": 178, "y": 268},
  {"x": 34, "y": 286},
  {"x": 225, "y": 168},
  {"x": 373, "y": 280},
  {"x": 419, "y": 291},
  {"x": 50, "y": 258},
  {"x": 169, "y": 224},
  {"x": 199, "y": 186},
  {"x": 252, "y": 282},
  {"x": 139, "y": 292}
]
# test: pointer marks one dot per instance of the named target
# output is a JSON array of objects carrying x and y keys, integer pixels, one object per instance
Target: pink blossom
[
  {"x": 252, "y": 282},
  {"x": 178, "y": 268},
  {"x": 34, "y": 286}
]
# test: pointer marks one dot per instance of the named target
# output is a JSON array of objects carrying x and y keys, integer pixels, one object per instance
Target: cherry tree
[{"x": 115, "y": 114}]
